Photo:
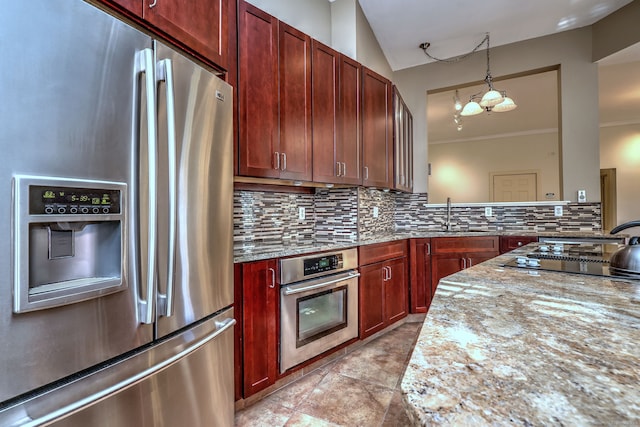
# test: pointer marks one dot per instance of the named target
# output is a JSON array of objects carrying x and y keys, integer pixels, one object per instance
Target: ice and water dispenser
[{"x": 69, "y": 240}]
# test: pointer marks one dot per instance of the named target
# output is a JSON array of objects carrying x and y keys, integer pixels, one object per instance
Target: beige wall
[
  {"x": 578, "y": 91},
  {"x": 312, "y": 17},
  {"x": 461, "y": 170},
  {"x": 617, "y": 31},
  {"x": 620, "y": 149},
  {"x": 341, "y": 25}
]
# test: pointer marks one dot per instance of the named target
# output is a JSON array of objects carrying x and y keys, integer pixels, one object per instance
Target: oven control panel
[
  {"x": 322, "y": 264},
  {"x": 306, "y": 267}
]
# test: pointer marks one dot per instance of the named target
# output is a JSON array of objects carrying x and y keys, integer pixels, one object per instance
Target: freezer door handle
[
  {"x": 22, "y": 419},
  {"x": 145, "y": 65},
  {"x": 165, "y": 73}
]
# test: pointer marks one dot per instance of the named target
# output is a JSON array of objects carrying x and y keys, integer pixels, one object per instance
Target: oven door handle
[{"x": 290, "y": 290}]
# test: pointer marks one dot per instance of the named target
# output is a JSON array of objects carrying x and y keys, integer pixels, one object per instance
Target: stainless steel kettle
[{"x": 626, "y": 260}]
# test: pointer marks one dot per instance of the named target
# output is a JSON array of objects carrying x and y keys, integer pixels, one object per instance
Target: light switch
[
  {"x": 301, "y": 213},
  {"x": 375, "y": 212},
  {"x": 557, "y": 211},
  {"x": 488, "y": 211}
]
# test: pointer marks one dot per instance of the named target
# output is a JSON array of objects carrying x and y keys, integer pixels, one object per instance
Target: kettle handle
[{"x": 624, "y": 226}]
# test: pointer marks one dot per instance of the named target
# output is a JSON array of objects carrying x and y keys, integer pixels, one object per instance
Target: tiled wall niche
[{"x": 265, "y": 219}]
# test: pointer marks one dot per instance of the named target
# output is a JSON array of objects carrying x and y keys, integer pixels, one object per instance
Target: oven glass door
[{"x": 320, "y": 314}]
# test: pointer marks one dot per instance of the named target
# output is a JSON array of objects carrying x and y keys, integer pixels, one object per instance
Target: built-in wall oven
[{"x": 318, "y": 304}]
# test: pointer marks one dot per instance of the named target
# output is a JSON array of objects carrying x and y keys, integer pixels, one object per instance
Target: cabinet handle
[
  {"x": 384, "y": 274},
  {"x": 153, "y": 4},
  {"x": 390, "y": 275},
  {"x": 273, "y": 278},
  {"x": 464, "y": 263},
  {"x": 428, "y": 246},
  {"x": 276, "y": 161},
  {"x": 338, "y": 173},
  {"x": 366, "y": 172},
  {"x": 284, "y": 161},
  {"x": 470, "y": 262},
  {"x": 344, "y": 169}
]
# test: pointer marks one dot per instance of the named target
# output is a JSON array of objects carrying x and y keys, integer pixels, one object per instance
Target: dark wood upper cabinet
[
  {"x": 200, "y": 26},
  {"x": 295, "y": 104},
  {"x": 402, "y": 143},
  {"x": 336, "y": 116},
  {"x": 377, "y": 128},
  {"x": 324, "y": 97},
  {"x": 274, "y": 97},
  {"x": 259, "y": 136},
  {"x": 349, "y": 133}
]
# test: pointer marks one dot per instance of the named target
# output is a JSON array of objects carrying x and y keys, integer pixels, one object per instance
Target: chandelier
[{"x": 493, "y": 99}]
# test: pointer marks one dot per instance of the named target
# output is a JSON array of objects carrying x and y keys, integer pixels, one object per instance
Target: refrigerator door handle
[
  {"x": 145, "y": 304},
  {"x": 165, "y": 73},
  {"x": 27, "y": 421}
]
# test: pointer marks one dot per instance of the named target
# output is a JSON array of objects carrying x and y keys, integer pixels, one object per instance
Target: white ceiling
[{"x": 454, "y": 27}]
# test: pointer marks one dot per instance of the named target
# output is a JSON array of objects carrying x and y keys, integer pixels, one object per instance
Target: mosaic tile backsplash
[{"x": 271, "y": 219}]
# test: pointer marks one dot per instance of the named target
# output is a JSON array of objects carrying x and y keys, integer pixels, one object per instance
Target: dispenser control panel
[{"x": 49, "y": 200}]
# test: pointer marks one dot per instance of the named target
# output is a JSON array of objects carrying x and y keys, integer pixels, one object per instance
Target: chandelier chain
[{"x": 425, "y": 46}]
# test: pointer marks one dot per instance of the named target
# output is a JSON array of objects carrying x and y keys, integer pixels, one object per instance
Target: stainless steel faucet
[{"x": 447, "y": 224}]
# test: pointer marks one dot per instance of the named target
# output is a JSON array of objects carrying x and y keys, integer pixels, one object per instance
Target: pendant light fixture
[{"x": 493, "y": 99}]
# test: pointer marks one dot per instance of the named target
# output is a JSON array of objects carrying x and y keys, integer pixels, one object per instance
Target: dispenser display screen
[{"x": 45, "y": 200}]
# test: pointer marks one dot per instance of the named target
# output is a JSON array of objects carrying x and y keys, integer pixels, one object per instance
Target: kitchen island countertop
[{"x": 503, "y": 346}]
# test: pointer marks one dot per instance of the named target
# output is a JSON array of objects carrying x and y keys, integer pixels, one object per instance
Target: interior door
[{"x": 518, "y": 187}]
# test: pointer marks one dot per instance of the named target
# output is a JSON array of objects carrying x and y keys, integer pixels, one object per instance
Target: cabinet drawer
[
  {"x": 509, "y": 243},
  {"x": 381, "y": 251},
  {"x": 441, "y": 245}
]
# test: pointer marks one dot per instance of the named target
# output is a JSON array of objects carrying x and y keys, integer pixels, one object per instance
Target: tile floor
[{"x": 360, "y": 389}]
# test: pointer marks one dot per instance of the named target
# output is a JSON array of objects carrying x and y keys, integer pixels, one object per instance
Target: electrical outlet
[
  {"x": 557, "y": 211},
  {"x": 301, "y": 213},
  {"x": 488, "y": 211},
  {"x": 375, "y": 212},
  {"x": 582, "y": 196}
]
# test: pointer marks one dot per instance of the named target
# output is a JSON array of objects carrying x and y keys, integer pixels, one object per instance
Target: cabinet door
[
  {"x": 295, "y": 104},
  {"x": 200, "y": 25},
  {"x": 396, "y": 287},
  {"x": 260, "y": 325},
  {"x": 420, "y": 275},
  {"x": 349, "y": 137},
  {"x": 443, "y": 265},
  {"x": 371, "y": 300},
  {"x": 324, "y": 96},
  {"x": 259, "y": 146},
  {"x": 377, "y": 126},
  {"x": 478, "y": 257}
]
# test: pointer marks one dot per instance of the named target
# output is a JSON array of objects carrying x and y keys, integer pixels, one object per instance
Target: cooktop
[{"x": 587, "y": 259}]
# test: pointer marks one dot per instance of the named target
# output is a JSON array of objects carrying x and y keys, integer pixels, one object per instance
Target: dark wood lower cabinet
[
  {"x": 383, "y": 286},
  {"x": 420, "y": 293},
  {"x": 260, "y": 325},
  {"x": 509, "y": 243},
  {"x": 371, "y": 299}
]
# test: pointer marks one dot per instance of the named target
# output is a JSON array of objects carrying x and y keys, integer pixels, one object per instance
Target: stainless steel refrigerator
[{"x": 116, "y": 263}]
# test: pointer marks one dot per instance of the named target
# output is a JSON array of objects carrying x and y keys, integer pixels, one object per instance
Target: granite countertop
[
  {"x": 298, "y": 248},
  {"x": 502, "y": 346}
]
